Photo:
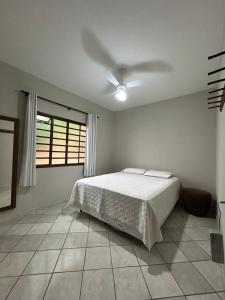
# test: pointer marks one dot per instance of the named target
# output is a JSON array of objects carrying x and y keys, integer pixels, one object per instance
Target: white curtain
[
  {"x": 28, "y": 167},
  {"x": 90, "y": 160}
]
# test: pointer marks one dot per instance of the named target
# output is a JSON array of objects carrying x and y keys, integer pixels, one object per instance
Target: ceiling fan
[
  {"x": 97, "y": 52},
  {"x": 120, "y": 86}
]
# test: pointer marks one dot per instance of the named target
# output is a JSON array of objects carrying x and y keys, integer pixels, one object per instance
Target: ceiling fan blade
[
  {"x": 111, "y": 78},
  {"x": 134, "y": 83},
  {"x": 114, "y": 93},
  {"x": 95, "y": 50},
  {"x": 109, "y": 89},
  {"x": 151, "y": 66}
]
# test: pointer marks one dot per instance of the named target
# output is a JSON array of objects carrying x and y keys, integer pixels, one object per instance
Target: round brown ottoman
[{"x": 196, "y": 202}]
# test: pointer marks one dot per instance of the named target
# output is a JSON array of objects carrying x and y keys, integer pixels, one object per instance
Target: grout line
[
  {"x": 82, "y": 276},
  {"x": 201, "y": 293},
  {"x": 114, "y": 284},
  {"x": 65, "y": 233},
  {"x": 175, "y": 280},
  {"x": 209, "y": 257},
  {"x": 44, "y": 236},
  {"x": 28, "y": 262},
  {"x": 21, "y": 237},
  {"x": 167, "y": 264},
  {"x": 142, "y": 273},
  {"x": 60, "y": 252},
  {"x": 220, "y": 295},
  {"x": 104, "y": 268},
  {"x": 12, "y": 287},
  {"x": 203, "y": 277},
  {"x": 21, "y": 273}
]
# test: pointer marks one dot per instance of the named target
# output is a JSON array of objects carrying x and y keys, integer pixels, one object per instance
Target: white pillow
[
  {"x": 161, "y": 174},
  {"x": 134, "y": 171}
]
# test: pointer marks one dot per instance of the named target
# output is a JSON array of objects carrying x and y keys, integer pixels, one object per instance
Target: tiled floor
[{"x": 48, "y": 255}]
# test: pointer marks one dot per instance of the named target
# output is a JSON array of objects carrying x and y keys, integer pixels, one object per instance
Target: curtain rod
[{"x": 57, "y": 103}]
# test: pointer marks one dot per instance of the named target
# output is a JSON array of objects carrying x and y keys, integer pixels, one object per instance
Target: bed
[{"x": 135, "y": 204}]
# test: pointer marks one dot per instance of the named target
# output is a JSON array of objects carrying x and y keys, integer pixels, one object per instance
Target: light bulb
[{"x": 121, "y": 95}]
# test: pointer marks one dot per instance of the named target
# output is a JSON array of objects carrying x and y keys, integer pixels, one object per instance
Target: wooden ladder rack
[{"x": 218, "y": 103}]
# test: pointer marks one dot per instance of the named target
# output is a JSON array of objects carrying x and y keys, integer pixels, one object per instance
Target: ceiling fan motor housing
[{"x": 121, "y": 87}]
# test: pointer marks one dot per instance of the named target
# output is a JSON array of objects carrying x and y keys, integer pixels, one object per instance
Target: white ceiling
[{"x": 62, "y": 42}]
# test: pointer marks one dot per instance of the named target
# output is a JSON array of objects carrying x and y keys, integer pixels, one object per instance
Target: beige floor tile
[
  {"x": 76, "y": 240},
  {"x": 71, "y": 260},
  {"x": 3, "y": 255},
  {"x": 4, "y": 228},
  {"x": 96, "y": 239},
  {"x": 53, "y": 241},
  {"x": 6, "y": 285},
  {"x": 96, "y": 225},
  {"x": 40, "y": 228},
  {"x": 170, "y": 223},
  {"x": 170, "y": 252},
  {"x": 19, "y": 229},
  {"x": 205, "y": 245},
  {"x": 60, "y": 228},
  {"x": 165, "y": 235},
  {"x": 160, "y": 282},
  {"x": 64, "y": 286},
  {"x": 123, "y": 256},
  {"x": 14, "y": 263},
  {"x": 221, "y": 295},
  {"x": 40, "y": 211},
  {"x": 30, "y": 287},
  {"x": 103, "y": 280},
  {"x": 42, "y": 262},
  {"x": 64, "y": 219},
  {"x": 198, "y": 233},
  {"x": 7, "y": 243},
  {"x": 189, "y": 279},
  {"x": 47, "y": 219},
  {"x": 192, "y": 251},
  {"x": 97, "y": 258},
  {"x": 29, "y": 243},
  {"x": 178, "y": 234},
  {"x": 130, "y": 284},
  {"x": 29, "y": 219},
  {"x": 148, "y": 258},
  {"x": 119, "y": 238},
  {"x": 212, "y": 272},
  {"x": 203, "y": 222},
  {"x": 53, "y": 211},
  {"x": 80, "y": 225}
]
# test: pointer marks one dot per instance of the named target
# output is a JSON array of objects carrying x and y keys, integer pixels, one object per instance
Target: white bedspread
[{"x": 136, "y": 204}]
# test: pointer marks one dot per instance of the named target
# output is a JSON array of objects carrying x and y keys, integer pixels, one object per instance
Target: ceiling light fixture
[{"x": 121, "y": 93}]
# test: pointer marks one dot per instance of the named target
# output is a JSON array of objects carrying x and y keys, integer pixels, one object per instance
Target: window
[{"x": 59, "y": 142}]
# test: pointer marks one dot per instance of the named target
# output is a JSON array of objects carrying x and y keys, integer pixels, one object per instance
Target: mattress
[{"x": 135, "y": 204}]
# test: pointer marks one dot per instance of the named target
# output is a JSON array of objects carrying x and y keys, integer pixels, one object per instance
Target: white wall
[
  {"x": 221, "y": 156},
  {"x": 220, "y": 182},
  {"x": 53, "y": 184},
  {"x": 220, "y": 178},
  {"x": 177, "y": 135}
]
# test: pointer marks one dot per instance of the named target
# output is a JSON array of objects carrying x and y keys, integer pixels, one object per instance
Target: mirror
[{"x": 8, "y": 161}]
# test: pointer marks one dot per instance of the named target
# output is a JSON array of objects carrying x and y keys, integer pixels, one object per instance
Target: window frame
[{"x": 52, "y": 117}]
